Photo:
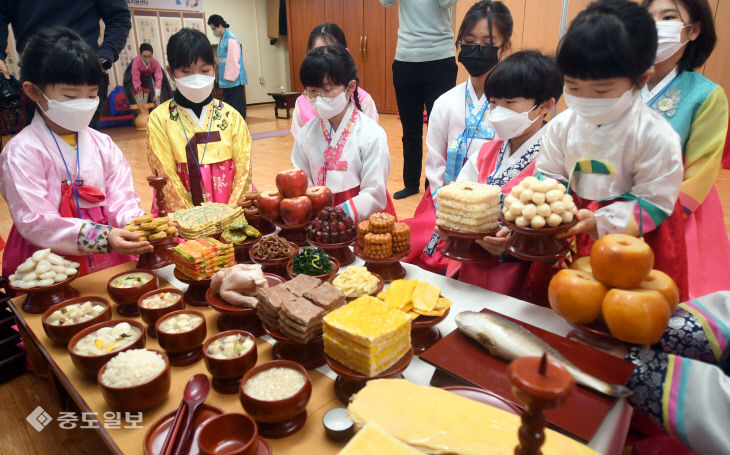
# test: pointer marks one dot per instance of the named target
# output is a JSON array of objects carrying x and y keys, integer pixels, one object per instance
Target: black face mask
[{"x": 478, "y": 59}]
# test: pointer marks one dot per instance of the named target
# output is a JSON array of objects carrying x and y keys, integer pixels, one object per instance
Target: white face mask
[
  {"x": 669, "y": 36},
  {"x": 196, "y": 87},
  {"x": 330, "y": 107},
  {"x": 508, "y": 123},
  {"x": 600, "y": 111},
  {"x": 73, "y": 115}
]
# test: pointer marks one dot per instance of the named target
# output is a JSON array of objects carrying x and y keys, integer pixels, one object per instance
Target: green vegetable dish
[{"x": 312, "y": 261}]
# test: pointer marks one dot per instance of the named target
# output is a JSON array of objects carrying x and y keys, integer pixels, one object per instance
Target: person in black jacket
[{"x": 82, "y": 16}]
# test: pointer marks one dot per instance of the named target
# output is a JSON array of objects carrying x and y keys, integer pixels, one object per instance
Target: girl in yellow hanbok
[{"x": 201, "y": 144}]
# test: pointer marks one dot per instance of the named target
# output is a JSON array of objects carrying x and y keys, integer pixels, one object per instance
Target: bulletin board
[{"x": 155, "y": 27}]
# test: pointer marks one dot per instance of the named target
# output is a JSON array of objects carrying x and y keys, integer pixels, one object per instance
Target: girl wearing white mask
[
  {"x": 342, "y": 148},
  {"x": 201, "y": 144},
  {"x": 326, "y": 34},
  {"x": 457, "y": 126},
  {"x": 620, "y": 160},
  {"x": 68, "y": 187},
  {"x": 522, "y": 90},
  {"x": 697, "y": 109}
]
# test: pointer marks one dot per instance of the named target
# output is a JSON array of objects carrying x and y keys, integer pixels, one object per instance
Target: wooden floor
[{"x": 269, "y": 156}]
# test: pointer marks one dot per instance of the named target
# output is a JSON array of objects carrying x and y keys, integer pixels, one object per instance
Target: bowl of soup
[
  {"x": 181, "y": 335},
  {"x": 126, "y": 288},
  {"x": 157, "y": 303},
  {"x": 93, "y": 346},
  {"x": 228, "y": 356},
  {"x": 63, "y": 321},
  {"x": 276, "y": 394}
]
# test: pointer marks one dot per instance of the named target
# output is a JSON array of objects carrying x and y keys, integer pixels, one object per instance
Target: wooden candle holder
[{"x": 541, "y": 385}]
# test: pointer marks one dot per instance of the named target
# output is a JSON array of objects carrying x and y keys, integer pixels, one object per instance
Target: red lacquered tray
[{"x": 583, "y": 411}]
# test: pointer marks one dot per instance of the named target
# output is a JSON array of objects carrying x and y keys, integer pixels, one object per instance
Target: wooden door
[
  {"x": 390, "y": 105},
  {"x": 304, "y": 15},
  {"x": 373, "y": 55}
]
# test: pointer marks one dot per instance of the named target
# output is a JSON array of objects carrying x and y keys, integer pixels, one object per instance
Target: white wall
[{"x": 267, "y": 66}]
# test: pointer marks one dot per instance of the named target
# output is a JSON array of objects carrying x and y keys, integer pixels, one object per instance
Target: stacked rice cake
[
  {"x": 367, "y": 335},
  {"x": 300, "y": 320},
  {"x": 201, "y": 258},
  {"x": 468, "y": 207},
  {"x": 295, "y": 308},
  {"x": 206, "y": 219},
  {"x": 270, "y": 303}
]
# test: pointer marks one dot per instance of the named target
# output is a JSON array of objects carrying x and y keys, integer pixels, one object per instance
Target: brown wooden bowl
[
  {"x": 183, "y": 348},
  {"x": 242, "y": 250},
  {"x": 324, "y": 277},
  {"x": 349, "y": 381},
  {"x": 160, "y": 256},
  {"x": 39, "y": 299},
  {"x": 461, "y": 246},
  {"x": 277, "y": 418},
  {"x": 156, "y": 434},
  {"x": 90, "y": 365},
  {"x": 296, "y": 233},
  {"x": 126, "y": 298},
  {"x": 537, "y": 245},
  {"x": 229, "y": 434},
  {"x": 60, "y": 334},
  {"x": 308, "y": 354},
  {"x": 424, "y": 333},
  {"x": 339, "y": 250},
  {"x": 195, "y": 295},
  {"x": 381, "y": 285},
  {"x": 275, "y": 266},
  {"x": 227, "y": 373},
  {"x": 151, "y": 315},
  {"x": 139, "y": 397},
  {"x": 390, "y": 269}
]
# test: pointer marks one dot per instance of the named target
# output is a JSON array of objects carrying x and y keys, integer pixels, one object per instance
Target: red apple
[
  {"x": 291, "y": 183},
  {"x": 296, "y": 210},
  {"x": 268, "y": 202},
  {"x": 321, "y": 197}
]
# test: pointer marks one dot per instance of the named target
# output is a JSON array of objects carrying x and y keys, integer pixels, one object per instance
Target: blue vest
[{"x": 222, "y": 54}]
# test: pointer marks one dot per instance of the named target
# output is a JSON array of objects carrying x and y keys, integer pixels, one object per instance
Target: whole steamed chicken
[{"x": 239, "y": 285}]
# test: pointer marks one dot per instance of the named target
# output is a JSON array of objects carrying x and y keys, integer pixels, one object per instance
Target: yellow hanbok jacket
[{"x": 222, "y": 145}]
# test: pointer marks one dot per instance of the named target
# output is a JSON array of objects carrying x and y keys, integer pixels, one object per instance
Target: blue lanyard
[
  {"x": 502, "y": 153},
  {"x": 469, "y": 140},
  {"x": 74, "y": 183},
  {"x": 205, "y": 147}
]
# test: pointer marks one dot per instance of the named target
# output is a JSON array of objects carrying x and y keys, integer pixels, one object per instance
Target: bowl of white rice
[{"x": 135, "y": 380}]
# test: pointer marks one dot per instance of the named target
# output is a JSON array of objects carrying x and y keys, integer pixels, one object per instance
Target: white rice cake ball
[
  {"x": 516, "y": 208},
  {"x": 544, "y": 210},
  {"x": 529, "y": 211},
  {"x": 538, "y": 198},
  {"x": 554, "y": 220},
  {"x": 526, "y": 196},
  {"x": 537, "y": 222},
  {"x": 521, "y": 221},
  {"x": 557, "y": 207},
  {"x": 567, "y": 216}
]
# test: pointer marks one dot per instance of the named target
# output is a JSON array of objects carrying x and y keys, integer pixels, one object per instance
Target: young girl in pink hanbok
[
  {"x": 327, "y": 34},
  {"x": 68, "y": 187},
  {"x": 342, "y": 149},
  {"x": 522, "y": 90},
  {"x": 457, "y": 127}
]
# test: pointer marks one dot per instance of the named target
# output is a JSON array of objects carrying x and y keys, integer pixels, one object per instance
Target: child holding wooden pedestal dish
[{"x": 68, "y": 187}]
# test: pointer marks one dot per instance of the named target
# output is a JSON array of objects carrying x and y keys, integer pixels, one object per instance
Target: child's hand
[
  {"x": 125, "y": 242},
  {"x": 498, "y": 244},
  {"x": 586, "y": 223}
]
